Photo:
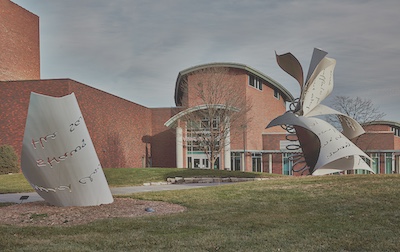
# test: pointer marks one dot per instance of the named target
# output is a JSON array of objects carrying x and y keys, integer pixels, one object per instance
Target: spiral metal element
[{"x": 296, "y": 157}]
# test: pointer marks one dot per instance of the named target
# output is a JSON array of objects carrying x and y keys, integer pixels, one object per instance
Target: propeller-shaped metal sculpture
[{"x": 321, "y": 148}]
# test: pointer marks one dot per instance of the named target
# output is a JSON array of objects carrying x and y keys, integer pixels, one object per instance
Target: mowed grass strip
[
  {"x": 118, "y": 177},
  {"x": 329, "y": 213}
]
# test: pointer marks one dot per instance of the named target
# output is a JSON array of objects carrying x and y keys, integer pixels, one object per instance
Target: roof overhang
[{"x": 389, "y": 123}]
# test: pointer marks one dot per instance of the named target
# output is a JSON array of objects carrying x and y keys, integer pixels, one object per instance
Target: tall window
[
  {"x": 255, "y": 82},
  {"x": 287, "y": 164},
  {"x": 256, "y": 162},
  {"x": 198, "y": 140},
  {"x": 235, "y": 161},
  {"x": 396, "y": 131},
  {"x": 375, "y": 164},
  {"x": 388, "y": 163},
  {"x": 205, "y": 124}
]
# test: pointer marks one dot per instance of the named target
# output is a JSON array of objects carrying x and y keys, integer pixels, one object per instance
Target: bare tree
[
  {"x": 360, "y": 109},
  {"x": 222, "y": 107}
]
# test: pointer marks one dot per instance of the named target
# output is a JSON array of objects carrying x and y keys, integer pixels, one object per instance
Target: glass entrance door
[{"x": 200, "y": 162}]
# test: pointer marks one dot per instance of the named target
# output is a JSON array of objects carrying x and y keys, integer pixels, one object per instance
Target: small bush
[{"x": 8, "y": 160}]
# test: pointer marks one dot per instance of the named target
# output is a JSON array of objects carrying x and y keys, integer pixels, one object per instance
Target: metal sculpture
[
  {"x": 58, "y": 157},
  {"x": 318, "y": 148}
]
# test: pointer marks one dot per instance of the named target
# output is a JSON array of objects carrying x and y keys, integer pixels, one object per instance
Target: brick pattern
[
  {"x": 14, "y": 106},
  {"x": 117, "y": 126},
  {"x": 264, "y": 108},
  {"x": 375, "y": 141},
  {"x": 163, "y": 151},
  {"x": 19, "y": 43}
]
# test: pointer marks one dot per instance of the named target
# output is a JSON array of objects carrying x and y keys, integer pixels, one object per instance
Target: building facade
[
  {"x": 261, "y": 97},
  {"x": 19, "y": 41},
  {"x": 381, "y": 142},
  {"x": 126, "y": 134}
]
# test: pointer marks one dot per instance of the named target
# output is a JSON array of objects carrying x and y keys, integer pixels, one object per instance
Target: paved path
[{"x": 33, "y": 196}]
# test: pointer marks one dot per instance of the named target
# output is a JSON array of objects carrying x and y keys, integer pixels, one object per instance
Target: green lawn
[
  {"x": 329, "y": 213},
  {"x": 131, "y": 177}
]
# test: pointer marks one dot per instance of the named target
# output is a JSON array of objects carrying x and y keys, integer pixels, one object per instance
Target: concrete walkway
[{"x": 33, "y": 196}]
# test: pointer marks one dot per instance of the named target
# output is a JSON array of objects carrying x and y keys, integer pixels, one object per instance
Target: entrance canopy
[{"x": 172, "y": 121}]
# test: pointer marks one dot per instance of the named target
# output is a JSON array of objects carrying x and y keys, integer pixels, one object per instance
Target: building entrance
[{"x": 201, "y": 161}]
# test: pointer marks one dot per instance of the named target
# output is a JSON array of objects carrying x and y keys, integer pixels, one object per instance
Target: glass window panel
[{"x": 388, "y": 163}]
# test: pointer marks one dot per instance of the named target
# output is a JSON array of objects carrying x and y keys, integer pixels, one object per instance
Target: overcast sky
[{"x": 135, "y": 49}]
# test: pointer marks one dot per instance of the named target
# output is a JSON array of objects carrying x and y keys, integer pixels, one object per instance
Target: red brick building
[
  {"x": 122, "y": 131},
  {"x": 19, "y": 41},
  {"x": 245, "y": 151},
  {"x": 381, "y": 142},
  {"x": 126, "y": 134}
]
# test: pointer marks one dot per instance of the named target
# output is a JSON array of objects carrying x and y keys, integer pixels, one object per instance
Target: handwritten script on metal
[{"x": 58, "y": 156}]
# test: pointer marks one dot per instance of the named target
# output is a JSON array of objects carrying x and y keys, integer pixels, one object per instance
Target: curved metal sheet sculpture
[
  {"x": 58, "y": 157},
  {"x": 324, "y": 149}
]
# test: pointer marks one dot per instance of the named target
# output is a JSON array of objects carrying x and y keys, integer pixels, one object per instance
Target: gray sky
[{"x": 135, "y": 48}]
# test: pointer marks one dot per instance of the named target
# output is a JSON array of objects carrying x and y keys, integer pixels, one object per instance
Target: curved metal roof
[
  {"x": 383, "y": 122},
  {"x": 286, "y": 94}
]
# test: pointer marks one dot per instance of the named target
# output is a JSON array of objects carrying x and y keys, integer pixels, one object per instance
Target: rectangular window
[
  {"x": 287, "y": 164},
  {"x": 396, "y": 131},
  {"x": 251, "y": 80},
  {"x": 388, "y": 163},
  {"x": 236, "y": 160},
  {"x": 256, "y": 162},
  {"x": 255, "y": 82},
  {"x": 375, "y": 164},
  {"x": 205, "y": 124},
  {"x": 215, "y": 123}
]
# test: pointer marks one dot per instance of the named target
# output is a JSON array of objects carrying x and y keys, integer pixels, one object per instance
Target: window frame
[{"x": 255, "y": 82}]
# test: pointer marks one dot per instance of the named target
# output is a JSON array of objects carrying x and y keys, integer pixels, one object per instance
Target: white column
[
  {"x": 393, "y": 163},
  {"x": 227, "y": 152},
  {"x": 179, "y": 147},
  {"x": 270, "y": 163},
  {"x": 243, "y": 166}
]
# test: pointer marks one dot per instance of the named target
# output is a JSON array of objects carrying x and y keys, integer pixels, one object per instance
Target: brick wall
[
  {"x": 14, "y": 96},
  {"x": 116, "y": 126},
  {"x": 271, "y": 141},
  {"x": 163, "y": 146},
  {"x": 19, "y": 43},
  {"x": 396, "y": 143},
  {"x": 375, "y": 141},
  {"x": 265, "y": 107}
]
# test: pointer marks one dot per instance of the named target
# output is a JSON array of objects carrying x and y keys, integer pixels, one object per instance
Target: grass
[
  {"x": 15, "y": 183},
  {"x": 129, "y": 177},
  {"x": 329, "y": 213}
]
